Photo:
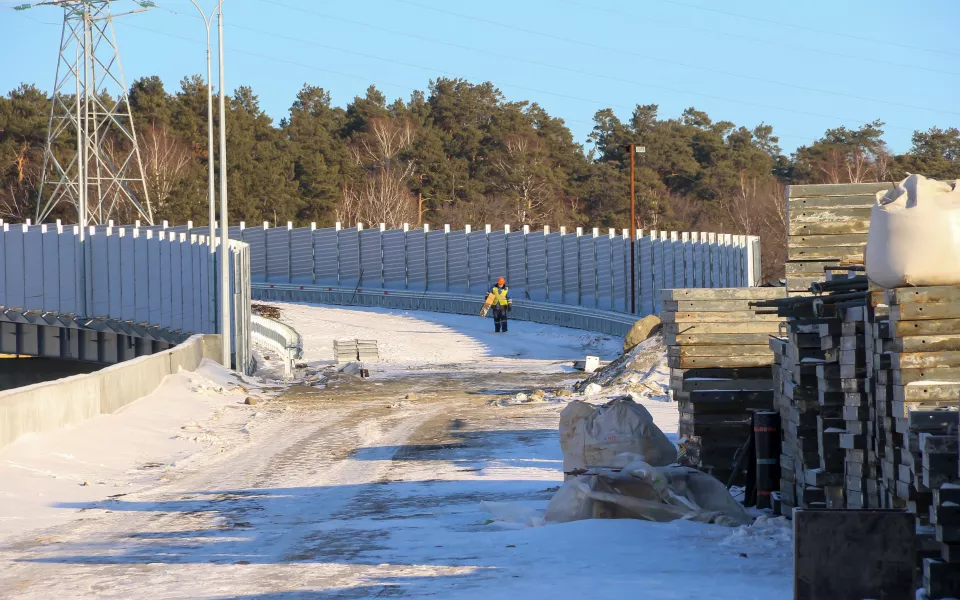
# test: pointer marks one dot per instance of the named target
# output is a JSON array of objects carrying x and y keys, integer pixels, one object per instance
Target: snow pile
[
  {"x": 122, "y": 452},
  {"x": 641, "y": 372}
]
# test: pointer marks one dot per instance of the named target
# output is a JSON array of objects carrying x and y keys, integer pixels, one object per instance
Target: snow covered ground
[
  {"x": 410, "y": 340},
  {"x": 403, "y": 486}
]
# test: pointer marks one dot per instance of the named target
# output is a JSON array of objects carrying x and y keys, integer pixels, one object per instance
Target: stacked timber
[
  {"x": 844, "y": 382},
  {"x": 817, "y": 377},
  {"x": 785, "y": 498},
  {"x": 828, "y": 226},
  {"x": 917, "y": 371},
  {"x": 719, "y": 358},
  {"x": 941, "y": 576}
]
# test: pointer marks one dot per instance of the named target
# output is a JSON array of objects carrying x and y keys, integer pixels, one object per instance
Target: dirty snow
[{"x": 414, "y": 486}]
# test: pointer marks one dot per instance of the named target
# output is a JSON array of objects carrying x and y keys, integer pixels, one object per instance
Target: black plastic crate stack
[{"x": 720, "y": 374}]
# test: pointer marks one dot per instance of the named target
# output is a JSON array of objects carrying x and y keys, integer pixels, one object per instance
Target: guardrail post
[
  {"x": 406, "y": 258},
  {"x": 466, "y": 233},
  {"x": 486, "y": 250}
]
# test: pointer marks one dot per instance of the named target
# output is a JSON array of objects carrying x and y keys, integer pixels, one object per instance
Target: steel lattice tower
[{"x": 91, "y": 159}]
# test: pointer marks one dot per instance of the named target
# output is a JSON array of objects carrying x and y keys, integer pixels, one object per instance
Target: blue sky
[{"x": 801, "y": 66}]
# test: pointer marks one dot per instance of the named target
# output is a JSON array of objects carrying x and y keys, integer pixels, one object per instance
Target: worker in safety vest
[{"x": 501, "y": 305}]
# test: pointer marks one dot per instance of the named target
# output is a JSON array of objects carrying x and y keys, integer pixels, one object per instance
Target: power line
[
  {"x": 858, "y": 38},
  {"x": 675, "y": 63},
  {"x": 852, "y": 57},
  {"x": 569, "y": 69}
]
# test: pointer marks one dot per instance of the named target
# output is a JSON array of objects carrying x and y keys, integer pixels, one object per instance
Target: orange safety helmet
[{"x": 501, "y": 281}]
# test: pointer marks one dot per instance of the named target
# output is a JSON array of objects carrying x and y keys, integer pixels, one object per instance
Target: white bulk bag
[
  {"x": 914, "y": 235},
  {"x": 611, "y": 436}
]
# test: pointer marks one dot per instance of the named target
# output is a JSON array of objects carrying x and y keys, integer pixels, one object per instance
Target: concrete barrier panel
[{"x": 52, "y": 405}]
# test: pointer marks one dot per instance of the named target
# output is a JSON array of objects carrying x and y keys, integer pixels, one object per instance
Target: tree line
[{"x": 460, "y": 153}]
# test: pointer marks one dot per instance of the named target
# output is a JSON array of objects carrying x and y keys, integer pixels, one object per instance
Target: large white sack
[
  {"x": 914, "y": 237},
  {"x": 611, "y": 436}
]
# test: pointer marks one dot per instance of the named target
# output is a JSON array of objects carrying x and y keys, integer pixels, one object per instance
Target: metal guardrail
[
  {"x": 576, "y": 317},
  {"x": 281, "y": 338}
]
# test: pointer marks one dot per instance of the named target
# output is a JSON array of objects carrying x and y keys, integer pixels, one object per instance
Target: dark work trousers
[{"x": 500, "y": 318}]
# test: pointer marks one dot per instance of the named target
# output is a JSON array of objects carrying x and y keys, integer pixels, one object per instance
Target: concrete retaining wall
[{"x": 52, "y": 405}]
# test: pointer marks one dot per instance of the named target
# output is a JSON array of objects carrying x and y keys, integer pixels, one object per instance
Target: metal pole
[
  {"x": 633, "y": 235},
  {"x": 224, "y": 214},
  {"x": 211, "y": 189}
]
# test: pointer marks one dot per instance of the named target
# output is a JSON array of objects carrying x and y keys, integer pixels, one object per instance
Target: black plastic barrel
[{"x": 766, "y": 437}]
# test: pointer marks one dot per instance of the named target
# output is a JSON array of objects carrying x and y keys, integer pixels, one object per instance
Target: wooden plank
[
  {"x": 723, "y": 385},
  {"x": 745, "y": 350},
  {"x": 918, "y": 360},
  {"x": 816, "y": 190},
  {"x": 747, "y": 293},
  {"x": 802, "y": 284},
  {"x": 825, "y": 253},
  {"x": 940, "y": 328},
  {"x": 723, "y": 306},
  {"x": 924, "y": 295},
  {"x": 808, "y": 268},
  {"x": 838, "y": 227},
  {"x": 923, "y": 343},
  {"x": 828, "y": 202},
  {"x": 745, "y": 316},
  {"x": 820, "y": 241},
  {"x": 763, "y": 326},
  {"x": 695, "y": 362},
  {"x": 925, "y": 311},
  {"x": 830, "y": 215},
  {"x": 908, "y": 376},
  {"x": 927, "y": 392},
  {"x": 715, "y": 339}
]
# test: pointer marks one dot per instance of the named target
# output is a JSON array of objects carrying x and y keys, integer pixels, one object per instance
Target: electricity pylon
[{"x": 91, "y": 159}]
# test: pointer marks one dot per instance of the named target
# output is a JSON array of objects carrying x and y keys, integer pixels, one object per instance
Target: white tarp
[
  {"x": 641, "y": 491},
  {"x": 611, "y": 436},
  {"x": 914, "y": 235}
]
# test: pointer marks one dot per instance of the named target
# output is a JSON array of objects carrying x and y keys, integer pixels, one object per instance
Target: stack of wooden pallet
[
  {"x": 941, "y": 576},
  {"x": 718, "y": 353},
  {"x": 828, "y": 226},
  {"x": 803, "y": 428},
  {"x": 917, "y": 372},
  {"x": 845, "y": 401},
  {"x": 785, "y": 499}
]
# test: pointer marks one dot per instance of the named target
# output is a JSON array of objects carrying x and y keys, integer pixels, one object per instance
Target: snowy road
[{"x": 358, "y": 491}]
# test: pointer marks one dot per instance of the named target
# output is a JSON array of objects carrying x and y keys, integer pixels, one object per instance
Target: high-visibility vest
[{"x": 500, "y": 295}]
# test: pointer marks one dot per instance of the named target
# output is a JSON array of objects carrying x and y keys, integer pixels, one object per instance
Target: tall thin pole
[
  {"x": 81, "y": 174},
  {"x": 633, "y": 234},
  {"x": 420, "y": 203},
  {"x": 211, "y": 188},
  {"x": 224, "y": 218}
]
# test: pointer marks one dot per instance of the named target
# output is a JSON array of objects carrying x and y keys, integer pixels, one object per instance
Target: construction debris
[
  {"x": 345, "y": 351},
  {"x": 642, "y": 491}
]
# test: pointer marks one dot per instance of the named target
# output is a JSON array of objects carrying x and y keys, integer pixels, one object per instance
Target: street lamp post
[
  {"x": 633, "y": 149},
  {"x": 211, "y": 193},
  {"x": 224, "y": 218}
]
